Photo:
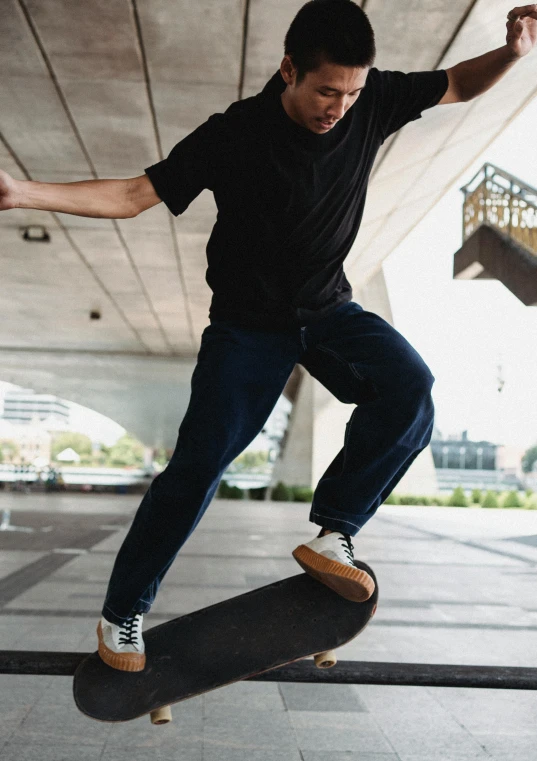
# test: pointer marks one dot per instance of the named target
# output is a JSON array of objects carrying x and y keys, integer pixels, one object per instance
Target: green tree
[
  {"x": 476, "y": 496},
  {"x": 458, "y": 498},
  {"x": 9, "y": 450},
  {"x": 160, "y": 456},
  {"x": 77, "y": 441},
  {"x": 528, "y": 458},
  {"x": 253, "y": 461},
  {"x": 126, "y": 452}
]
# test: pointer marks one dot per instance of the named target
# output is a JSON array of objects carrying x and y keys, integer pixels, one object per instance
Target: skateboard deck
[{"x": 224, "y": 643}]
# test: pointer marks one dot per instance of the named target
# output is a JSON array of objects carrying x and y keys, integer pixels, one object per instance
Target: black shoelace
[
  {"x": 347, "y": 546},
  {"x": 127, "y": 636}
]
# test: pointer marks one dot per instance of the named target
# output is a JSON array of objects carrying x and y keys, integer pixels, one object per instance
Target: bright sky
[{"x": 464, "y": 329}]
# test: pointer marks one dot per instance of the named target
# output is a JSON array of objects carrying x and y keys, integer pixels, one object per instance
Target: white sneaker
[
  {"x": 330, "y": 560},
  {"x": 122, "y": 647}
]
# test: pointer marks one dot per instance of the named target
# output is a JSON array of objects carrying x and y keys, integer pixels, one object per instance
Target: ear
[{"x": 288, "y": 71}]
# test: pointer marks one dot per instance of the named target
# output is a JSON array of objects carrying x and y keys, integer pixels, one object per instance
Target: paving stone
[
  {"x": 243, "y": 696},
  {"x": 338, "y": 732},
  {"x": 184, "y": 731},
  {"x": 492, "y": 711},
  {"x": 18, "y": 689},
  {"x": 59, "y": 725},
  {"x": 12, "y": 716},
  {"x": 443, "y": 739},
  {"x": 250, "y": 730},
  {"x": 236, "y": 754},
  {"x": 321, "y": 697},
  {"x": 52, "y": 752},
  {"x": 311, "y": 755}
]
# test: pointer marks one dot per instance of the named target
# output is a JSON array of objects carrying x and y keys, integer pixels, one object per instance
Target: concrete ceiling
[{"x": 107, "y": 87}]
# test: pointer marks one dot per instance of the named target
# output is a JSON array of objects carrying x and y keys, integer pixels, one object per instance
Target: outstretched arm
[
  {"x": 469, "y": 79},
  {"x": 112, "y": 199}
]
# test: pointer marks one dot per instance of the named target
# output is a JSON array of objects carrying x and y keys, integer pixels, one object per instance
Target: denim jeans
[{"x": 240, "y": 373}]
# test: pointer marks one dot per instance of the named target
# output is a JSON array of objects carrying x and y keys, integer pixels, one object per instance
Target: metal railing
[{"x": 496, "y": 198}]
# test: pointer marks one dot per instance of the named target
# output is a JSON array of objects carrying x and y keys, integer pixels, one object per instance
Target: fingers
[{"x": 521, "y": 11}]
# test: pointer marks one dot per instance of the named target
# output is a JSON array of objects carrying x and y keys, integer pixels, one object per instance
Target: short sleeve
[
  {"x": 403, "y": 97},
  {"x": 190, "y": 167}
]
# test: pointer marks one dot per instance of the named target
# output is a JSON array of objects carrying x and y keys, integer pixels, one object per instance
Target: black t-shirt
[{"x": 289, "y": 201}]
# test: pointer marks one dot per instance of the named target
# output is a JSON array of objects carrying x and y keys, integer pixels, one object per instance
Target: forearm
[
  {"x": 477, "y": 75},
  {"x": 112, "y": 199}
]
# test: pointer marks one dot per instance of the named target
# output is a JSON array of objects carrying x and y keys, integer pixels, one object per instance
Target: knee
[
  {"x": 416, "y": 383},
  {"x": 422, "y": 378}
]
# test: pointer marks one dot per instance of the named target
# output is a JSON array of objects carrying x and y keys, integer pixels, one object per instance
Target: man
[{"x": 289, "y": 170}]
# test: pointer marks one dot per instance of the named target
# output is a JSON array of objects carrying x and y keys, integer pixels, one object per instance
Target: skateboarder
[{"x": 289, "y": 171}]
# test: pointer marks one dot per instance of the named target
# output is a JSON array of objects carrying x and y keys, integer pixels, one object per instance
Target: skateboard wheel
[
  {"x": 161, "y": 715},
  {"x": 325, "y": 660}
]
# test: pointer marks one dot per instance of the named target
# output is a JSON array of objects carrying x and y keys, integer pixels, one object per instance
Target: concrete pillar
[
  {"x": 317, "y": 423},
  {"x": 149, "y": 453}
]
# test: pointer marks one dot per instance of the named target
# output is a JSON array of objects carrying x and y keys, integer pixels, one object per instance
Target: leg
[
  {"x": 237, "y": 381},
  {"x": 363, "y": 360}
]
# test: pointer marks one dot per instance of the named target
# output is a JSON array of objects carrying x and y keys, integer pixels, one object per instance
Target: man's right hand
[
  {"x": 8, "y": 191},
  {"x": 108, "y": 199}
]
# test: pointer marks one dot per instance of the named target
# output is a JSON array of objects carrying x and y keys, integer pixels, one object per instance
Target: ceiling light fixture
[{"x": 35, "y": 234}]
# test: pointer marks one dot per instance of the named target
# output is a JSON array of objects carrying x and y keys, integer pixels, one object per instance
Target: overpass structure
[{"x": 106, "y": 88}]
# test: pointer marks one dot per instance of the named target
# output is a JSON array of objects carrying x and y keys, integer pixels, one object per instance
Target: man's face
[{"x": 323, "y": 97}]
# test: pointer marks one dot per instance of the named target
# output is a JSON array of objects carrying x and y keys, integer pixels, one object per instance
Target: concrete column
[
  {"x": 149, "y": 453},
  {"x": 317, "y": 423}
]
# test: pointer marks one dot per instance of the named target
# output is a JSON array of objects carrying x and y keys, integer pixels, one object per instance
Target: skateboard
[{"x": 241, "y": 637}]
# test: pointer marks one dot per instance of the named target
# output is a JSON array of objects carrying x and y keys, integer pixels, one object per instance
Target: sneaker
[
  {"x": 122, "y": 647},
  {"x": 330, "y": 560}
]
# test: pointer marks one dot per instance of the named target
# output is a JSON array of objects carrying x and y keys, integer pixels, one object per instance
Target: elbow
[{"x": 131, "y": 211}]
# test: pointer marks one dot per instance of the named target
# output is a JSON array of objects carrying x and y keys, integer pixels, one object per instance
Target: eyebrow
[{"x": 334, "y": 89}]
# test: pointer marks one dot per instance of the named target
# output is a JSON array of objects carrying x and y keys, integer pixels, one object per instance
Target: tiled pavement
[{"x": 456, "y": 586}]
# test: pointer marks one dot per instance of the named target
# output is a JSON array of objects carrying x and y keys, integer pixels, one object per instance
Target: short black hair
[{"x": 333, "y": 30}]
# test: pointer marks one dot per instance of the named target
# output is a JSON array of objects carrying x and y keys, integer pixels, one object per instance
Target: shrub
[
  {"x": 531, "y": 503},
  {"x": 476, "y": 496},
  {"x": 391, "y": 499},
  {"x": 282, "y": 493},
  {"x": 412, "y": 499},
  {"x": 225, "y": 491},
  {"x": 257, "y": 493},
  {"x": 528, "y": 492},
  {"x": 458, "y": 498},
  {"x": 302, "y": 493},
  {"x": 440, "y": 501},
  {"x": 490, "y": 499},
  {"x": 512, "y": 500}
]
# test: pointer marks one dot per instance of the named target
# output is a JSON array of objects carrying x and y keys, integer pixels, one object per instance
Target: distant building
[
  {"x": 32, "y": 443},
  {"x": 460, "y": 453},
  {"x": 475, "y": 464},
  {"x": 22, "y": 407}
]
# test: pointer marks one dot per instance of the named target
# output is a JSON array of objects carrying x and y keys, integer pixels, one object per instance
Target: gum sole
[
  {"x": 351, "y": 583},
  {"x": 119, "y": 661}
]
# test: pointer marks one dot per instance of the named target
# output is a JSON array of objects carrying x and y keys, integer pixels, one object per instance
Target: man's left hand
[{"x": 522, "y": 29}]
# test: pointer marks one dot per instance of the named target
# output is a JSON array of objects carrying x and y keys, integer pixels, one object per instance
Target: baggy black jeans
[{"x": 238, "y": 378}]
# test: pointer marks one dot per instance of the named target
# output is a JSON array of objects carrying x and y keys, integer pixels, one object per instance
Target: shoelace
[
  {"x": 347, "y": 546},
  {"x": 127, "y": 635}
]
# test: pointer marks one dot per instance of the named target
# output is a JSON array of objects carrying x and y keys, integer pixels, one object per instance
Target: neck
[{"x": 288, "y": 106}]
